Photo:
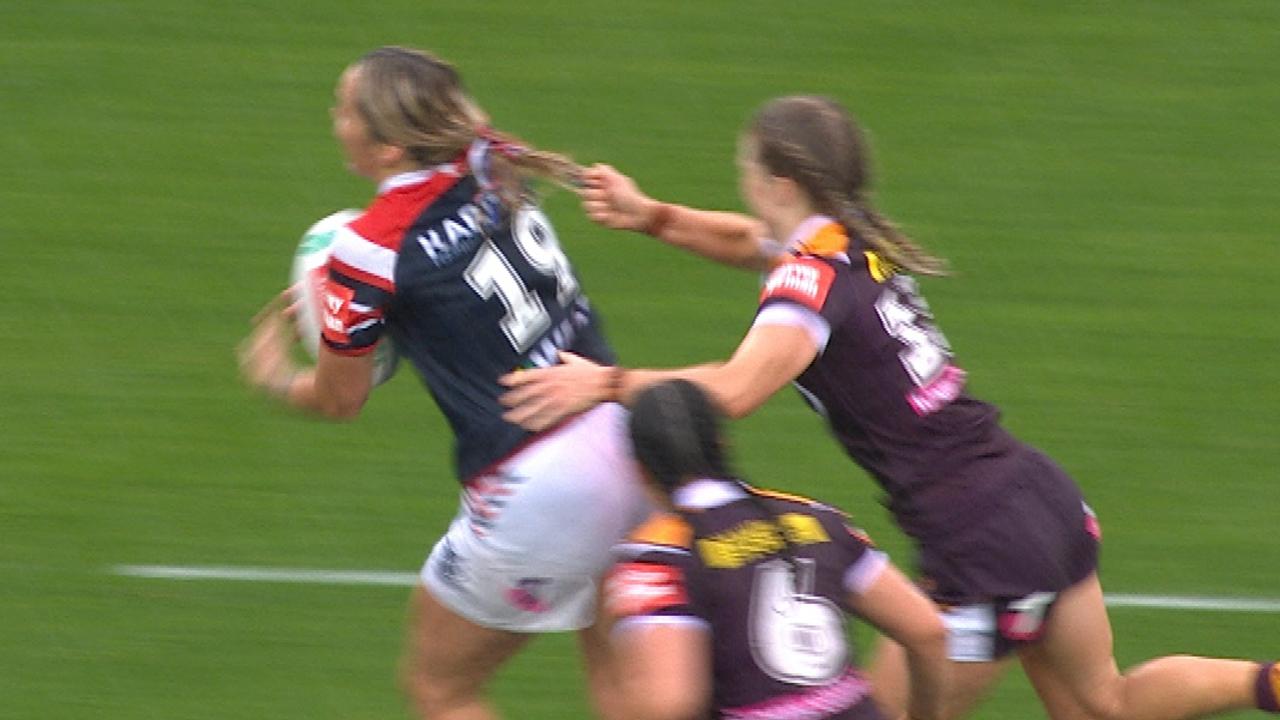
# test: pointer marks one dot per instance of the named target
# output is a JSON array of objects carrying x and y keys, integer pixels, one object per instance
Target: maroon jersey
[
  {"x": 776, "y": 611},
  {"x": 887, "y": 383}
]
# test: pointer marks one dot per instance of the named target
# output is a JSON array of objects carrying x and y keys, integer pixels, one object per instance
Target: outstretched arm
[
  {"x": 614, "y": 200},
  {"x": 769, "y": 357}
]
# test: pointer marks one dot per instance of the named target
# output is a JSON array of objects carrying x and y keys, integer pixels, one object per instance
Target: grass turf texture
[{"x": 1103, "y": 179}]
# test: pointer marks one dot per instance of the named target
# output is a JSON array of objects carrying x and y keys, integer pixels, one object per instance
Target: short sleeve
[
  {"x": 805, "y": 292},
  {"x": 651, "y": 589},
  {"x": 360, "y": 285},
  {"x": 863, "y": 561}
]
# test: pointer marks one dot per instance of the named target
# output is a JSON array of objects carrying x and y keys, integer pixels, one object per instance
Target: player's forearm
[
  {"x": 300, "y": 391},
  {"x": 734, "y": 398},
  {"x": 727, "y": 238}
]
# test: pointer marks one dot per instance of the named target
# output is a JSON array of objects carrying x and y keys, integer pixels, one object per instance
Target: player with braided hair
[
  {"x": 732, "y": 601},
  {"x": 455, "y": 263},
  {"x": 1007, "y": 546}
]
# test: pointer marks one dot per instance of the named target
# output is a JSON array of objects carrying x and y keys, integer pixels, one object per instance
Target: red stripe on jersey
[
  {"x": 335, "y": 316},
  {"x": 391, "y": 214},
  {"x": 637, "y": 588},
  {"x": 803, "y": 280},
  {"x": 355, "y": 273}
]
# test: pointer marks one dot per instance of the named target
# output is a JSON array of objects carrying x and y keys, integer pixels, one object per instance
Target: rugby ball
[{"x": 307, "y": 281}]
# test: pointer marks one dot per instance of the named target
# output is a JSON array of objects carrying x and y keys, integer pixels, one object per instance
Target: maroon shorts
[{"x": 1037, "y": 539}]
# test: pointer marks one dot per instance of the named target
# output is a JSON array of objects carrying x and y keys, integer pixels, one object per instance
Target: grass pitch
[{"x": 1103, "y": 178}]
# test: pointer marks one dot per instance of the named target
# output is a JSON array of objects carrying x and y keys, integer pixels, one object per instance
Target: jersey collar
[
  {"x": 417, "y": 177},
  {"x": 819, "y": 235},
  {"x": 706, "y": 493}
]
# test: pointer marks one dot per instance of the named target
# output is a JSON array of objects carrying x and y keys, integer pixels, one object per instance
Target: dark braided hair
[
  {"x": 675, "y": 429},
  {"x": 815, "y": 142},
  {"x": 676, "y": 433}
]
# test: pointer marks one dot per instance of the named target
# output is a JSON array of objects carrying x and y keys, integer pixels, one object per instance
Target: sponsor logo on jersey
[
  {"x": 805, "y": 281},
  {"x": 637, "y": 588},
  {"x": 939, "y": 392},
  {"x": 755, "y": 539},
  {"x": 336, "y": 312},
  {"x": 454, "y": 235}
]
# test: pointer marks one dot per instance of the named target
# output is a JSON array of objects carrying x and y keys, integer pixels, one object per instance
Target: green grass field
[{"x": 1103, "y": 178}]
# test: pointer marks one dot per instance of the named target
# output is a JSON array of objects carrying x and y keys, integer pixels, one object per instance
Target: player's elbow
[
  {"x": 926, "y": 639},
  {"x": 738, "y": 402}
]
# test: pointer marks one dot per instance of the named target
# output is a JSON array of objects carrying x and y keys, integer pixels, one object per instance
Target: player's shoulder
[
  {"x": 404, "y": 199},
  {"x": 789, "y": 498},
  {"x": 663, "y": 533},
  {"x": 803, "y": 279},
  {"x": 804, "y": 515}
]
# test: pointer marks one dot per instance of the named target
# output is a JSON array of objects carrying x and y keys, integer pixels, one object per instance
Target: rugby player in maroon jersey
[
  {"x": 1007, "y": 547},
  {"x": 733, "y": 601}
]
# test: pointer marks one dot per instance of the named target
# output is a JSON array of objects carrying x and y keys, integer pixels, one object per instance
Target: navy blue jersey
[
  {"x": 888, "y": 385},
  {"x": 776, "y": 611},
  {"x": 468, "y": 293}
]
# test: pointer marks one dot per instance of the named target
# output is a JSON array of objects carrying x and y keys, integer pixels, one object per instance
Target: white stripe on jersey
[
  {"x": 632, "y": 622},
  {"x": 796, "y": 315},
  {"x": 860, "y": 575},
  {"x": 365, "y": 255}
]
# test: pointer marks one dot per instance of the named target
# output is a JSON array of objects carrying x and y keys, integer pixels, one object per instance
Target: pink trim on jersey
[
  {"x": 860, "y": 575},
  {"x": 939, "y": 393},
  {"x": 797, "y": 316},
  {"x": 809, "y": 704}
]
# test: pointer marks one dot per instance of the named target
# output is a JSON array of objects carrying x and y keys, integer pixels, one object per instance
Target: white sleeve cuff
[
  {"x": 785, "y": 313},
  {"x": 864, "y": 572}
]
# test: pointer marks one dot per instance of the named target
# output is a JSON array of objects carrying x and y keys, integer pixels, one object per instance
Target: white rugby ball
[{"x": 307, "y": 280}]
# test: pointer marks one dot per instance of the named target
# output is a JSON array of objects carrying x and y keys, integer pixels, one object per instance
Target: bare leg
[
  {"x": 603, "y": 682},
  {"x": 449, "y": 660},
  {"x": 970, "y": 681},
  {"x": 1073, "y": 670}
]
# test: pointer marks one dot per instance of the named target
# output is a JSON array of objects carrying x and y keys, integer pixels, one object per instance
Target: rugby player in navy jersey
[
  {"x": 1007, "y": 547},
  {"x": 733, "y": 602},
  {"x": 454, "y": 263}
]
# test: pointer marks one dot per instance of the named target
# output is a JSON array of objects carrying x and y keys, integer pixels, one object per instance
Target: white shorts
[{"x": 533, "y": 536}]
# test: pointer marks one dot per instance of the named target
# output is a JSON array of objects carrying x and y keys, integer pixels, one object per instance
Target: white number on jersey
[
  {"x": 490, "y": 273},
  {"x": 538, "y": 243},
  {"x": 795, "y": 636},
  {"x": 906, "y": 317}
]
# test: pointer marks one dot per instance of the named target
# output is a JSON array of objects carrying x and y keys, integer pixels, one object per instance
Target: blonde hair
[
  {"x": 414, "y": 100},
  {"x": 815, "y": 142}
]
